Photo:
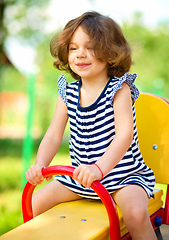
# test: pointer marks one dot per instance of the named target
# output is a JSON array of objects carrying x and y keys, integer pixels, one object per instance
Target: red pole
[{"x": 96, "y": 186}]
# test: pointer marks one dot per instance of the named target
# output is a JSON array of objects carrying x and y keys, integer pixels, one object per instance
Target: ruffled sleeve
[
  {"x": 128, "y": 78},
  {"x": 62, "y": 85}
]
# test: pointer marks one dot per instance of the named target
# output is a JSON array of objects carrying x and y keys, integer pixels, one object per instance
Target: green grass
[
  {"x": 11, "y": 171},
  {"x": 10, "y": 210}
]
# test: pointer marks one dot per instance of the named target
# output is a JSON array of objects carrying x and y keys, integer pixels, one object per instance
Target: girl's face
[{"x": 81, "y": 57}]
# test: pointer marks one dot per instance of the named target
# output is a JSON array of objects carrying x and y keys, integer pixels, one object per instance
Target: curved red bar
[{"x": 96, "y": 186}]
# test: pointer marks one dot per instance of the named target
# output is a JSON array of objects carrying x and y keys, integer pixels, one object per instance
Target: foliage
[
  {"x": 12, "y": 80},
  {"x": 10, "y": 210},
  {"x": 150, "y": 54},
  {"x": 24, "y": 20},
  {"x": 11, "y": 167}
]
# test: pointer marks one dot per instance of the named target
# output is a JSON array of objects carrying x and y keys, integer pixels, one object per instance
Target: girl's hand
[
  {"x": 34, "y": 175},
  {"x": 87, "y": 174}
]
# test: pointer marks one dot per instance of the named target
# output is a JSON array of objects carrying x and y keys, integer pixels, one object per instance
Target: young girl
[{"x": 103, "y": 135}]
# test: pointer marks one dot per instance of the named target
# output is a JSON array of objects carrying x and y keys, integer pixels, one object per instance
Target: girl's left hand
[{"x": 86, "y": 174}]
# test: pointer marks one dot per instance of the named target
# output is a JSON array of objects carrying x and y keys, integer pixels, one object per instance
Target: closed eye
[{"x": 72, "y": 48}]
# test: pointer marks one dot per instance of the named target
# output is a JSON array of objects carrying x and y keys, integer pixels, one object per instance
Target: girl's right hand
[{"x": 34, "y": 174}]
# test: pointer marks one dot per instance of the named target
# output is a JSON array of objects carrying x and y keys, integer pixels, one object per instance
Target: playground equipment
[{"x": 85, "y": 219}]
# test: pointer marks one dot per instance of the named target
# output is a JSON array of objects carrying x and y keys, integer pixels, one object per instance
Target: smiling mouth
[{"x": 83, "y": 65}]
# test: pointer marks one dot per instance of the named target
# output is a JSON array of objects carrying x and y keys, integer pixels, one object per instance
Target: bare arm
[
  {"x": 53, "y": 137},
  {"x": 50, "y": 143},
  {"x": 123, "y": 130},
  {"x": 86, "y": 174}
]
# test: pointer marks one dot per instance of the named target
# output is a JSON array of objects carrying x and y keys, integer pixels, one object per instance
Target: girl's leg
[
  {"x": 50, "y": 195},
  {"x": 133, "y": 202}
]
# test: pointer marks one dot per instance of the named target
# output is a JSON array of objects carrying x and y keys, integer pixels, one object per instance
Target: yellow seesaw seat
[
  {"x": 88, "y": 220},
  {"x": 77, "y": 220}
]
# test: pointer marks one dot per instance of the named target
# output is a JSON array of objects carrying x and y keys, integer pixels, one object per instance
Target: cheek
[
  {"x": 70, "y": 58},
  {"x": 102, "y": 65},
  {"x": 70, "y": 61}
]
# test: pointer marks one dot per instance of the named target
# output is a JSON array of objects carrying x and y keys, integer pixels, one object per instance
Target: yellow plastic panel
[
  {"x": 152, "y": 114},
  {"x": 50, "y": 225}
]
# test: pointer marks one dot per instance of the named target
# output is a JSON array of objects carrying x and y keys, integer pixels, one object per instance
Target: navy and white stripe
[{"x": 92, "y": 129}]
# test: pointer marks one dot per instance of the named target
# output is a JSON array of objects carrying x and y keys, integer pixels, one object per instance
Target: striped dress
[{"x": 92, "y": 129}]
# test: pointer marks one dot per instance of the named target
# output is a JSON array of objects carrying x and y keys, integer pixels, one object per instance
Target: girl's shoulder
[
  {"x": 63, "y": 83},
  {"x": 116, "y": 84},
  {"x": 64, "y": 87}
]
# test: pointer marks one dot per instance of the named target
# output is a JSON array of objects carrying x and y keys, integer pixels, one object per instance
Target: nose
[{"x": 81, "y": 53}]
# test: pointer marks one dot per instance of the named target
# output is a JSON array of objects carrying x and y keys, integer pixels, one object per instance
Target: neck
[
  {"x": 91, "y": 90},
  {"x": 90, "y": 84}
]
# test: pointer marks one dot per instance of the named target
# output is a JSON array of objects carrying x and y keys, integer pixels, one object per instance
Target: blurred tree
[
  {"x": 150, "y": 54},
  {"x": 3, "y": 57},
  {"x": 23, "y": 20}
]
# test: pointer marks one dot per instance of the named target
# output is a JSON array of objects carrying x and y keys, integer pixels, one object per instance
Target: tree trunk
[{"x": 3, "y": 58}]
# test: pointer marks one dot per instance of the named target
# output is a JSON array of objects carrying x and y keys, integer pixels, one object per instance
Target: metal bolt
[{"x": 155, "y": 147}]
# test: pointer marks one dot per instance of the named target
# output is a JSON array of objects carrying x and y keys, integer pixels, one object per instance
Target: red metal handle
[{"x": 96, "y": 186}]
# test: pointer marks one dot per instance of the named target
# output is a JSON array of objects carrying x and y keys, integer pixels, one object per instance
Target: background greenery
[
  {"x": 151, "y": 60},
  {"x": 11, "y": 168}
]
